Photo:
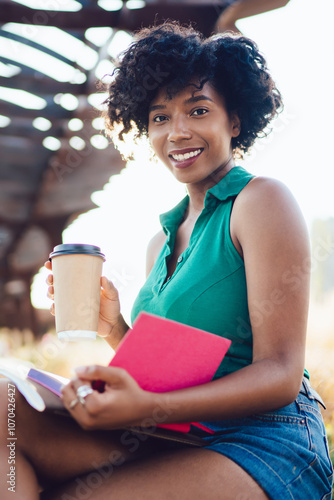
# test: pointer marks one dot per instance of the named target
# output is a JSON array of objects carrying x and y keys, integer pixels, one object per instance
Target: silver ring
[
  {"x": 82, "y": 392},
  {"x": 73, "y": 403}
]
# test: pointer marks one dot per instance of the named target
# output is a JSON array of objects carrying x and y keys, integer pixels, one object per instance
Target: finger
[
  {"x": 49, "y": 279},
  {"x": 67, "y": 389},
  {"x": 85, "y": 402},
  {"x": 108, "y": 289},
  {"x": 50, "y": 292},
  {"x": 76, "y": 383},
  {"x": 68, "y": 395},
  {"x": 110, "y": 374},
  {"x": 52, "y": 310},
  {"x": 48, "y": 265}
]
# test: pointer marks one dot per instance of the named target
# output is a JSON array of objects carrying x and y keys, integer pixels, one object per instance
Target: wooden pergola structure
[{"x": 49, "y": 164}]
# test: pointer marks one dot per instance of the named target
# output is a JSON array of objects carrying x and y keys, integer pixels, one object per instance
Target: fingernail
[{"x": 81, "y": 370}]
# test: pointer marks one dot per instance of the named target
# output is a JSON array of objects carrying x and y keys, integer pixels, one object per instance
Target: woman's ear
[{"x": 236, "y": 124}]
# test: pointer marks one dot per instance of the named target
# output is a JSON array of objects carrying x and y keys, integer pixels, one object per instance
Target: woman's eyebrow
[
  {"x": 191, "y": 99},
  {"x": 197, "y": 98},
  {"x": 156, "y": 106}
]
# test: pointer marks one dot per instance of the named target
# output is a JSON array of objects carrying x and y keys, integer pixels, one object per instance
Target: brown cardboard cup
[{"x": 77, "y": 270}]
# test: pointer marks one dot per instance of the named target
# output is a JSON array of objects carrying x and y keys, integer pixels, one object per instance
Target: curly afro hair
[{"x": 170, "y": 56}]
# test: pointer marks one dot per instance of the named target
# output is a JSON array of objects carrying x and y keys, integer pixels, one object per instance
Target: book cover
[
  {"x": 163, "y": 355},
  {"x": 48, "y": 385}
]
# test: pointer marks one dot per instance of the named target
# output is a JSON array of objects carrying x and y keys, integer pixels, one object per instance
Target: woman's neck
[{"x": 197, "y": 191}]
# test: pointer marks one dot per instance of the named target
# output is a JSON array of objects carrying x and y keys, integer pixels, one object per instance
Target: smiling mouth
[{"x": 186, "y": 156}]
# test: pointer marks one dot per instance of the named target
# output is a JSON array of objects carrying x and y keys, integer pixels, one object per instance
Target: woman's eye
[
  {"x": 200, "y": 112},
  {"x": 159, "y": 118}
]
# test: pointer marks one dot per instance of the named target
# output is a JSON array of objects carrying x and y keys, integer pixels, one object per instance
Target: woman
[{"x": 222, "y": 263}]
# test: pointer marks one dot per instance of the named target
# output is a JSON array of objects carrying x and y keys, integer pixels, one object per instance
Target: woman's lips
[{"x": 185, "y": 157}]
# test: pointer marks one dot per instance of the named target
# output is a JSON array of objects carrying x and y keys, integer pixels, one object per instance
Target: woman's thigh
[
  {"x": 190, "y": 474},
  {"x": 57, "y": 447}
]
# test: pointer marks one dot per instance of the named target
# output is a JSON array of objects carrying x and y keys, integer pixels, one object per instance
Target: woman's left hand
[{"x": 123, "y": 403}]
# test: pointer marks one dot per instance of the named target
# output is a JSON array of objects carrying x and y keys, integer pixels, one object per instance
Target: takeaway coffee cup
[{"x": 77, "y": 270}]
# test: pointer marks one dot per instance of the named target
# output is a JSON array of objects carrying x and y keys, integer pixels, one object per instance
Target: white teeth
[{"x": 181, "y": 157}]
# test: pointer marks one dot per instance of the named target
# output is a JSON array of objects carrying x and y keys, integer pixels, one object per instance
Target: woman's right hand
[
  {"x": 49, "y": 281},
  {"x": 110, "y": 308},
  {"x": 110, "y": 317}
]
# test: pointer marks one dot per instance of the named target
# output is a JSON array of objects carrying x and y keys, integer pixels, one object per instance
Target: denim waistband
[{"x": 311, "y": 393}]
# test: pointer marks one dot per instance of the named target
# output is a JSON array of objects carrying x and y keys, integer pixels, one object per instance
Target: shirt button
[{"x": 180, "y": 259}]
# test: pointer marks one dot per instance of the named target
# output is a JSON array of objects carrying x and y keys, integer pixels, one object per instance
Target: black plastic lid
[{"x": 74, "y": 248}]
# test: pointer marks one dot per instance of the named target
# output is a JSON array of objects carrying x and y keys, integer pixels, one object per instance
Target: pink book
[
  {"x": 163, "y": 355},
  {"x": 160, "y": 354}
]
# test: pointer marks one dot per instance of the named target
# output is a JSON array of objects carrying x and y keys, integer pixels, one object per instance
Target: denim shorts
[{"x": 285, "y": 451}]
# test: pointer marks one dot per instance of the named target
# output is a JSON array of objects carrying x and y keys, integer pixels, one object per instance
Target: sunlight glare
[
  {"x": 96, "y": 100},
  {"x": 119, "y": 43},
  {"x": 58, "y": 41},
  {"x": 98, "y": 36},
  {"x": 104, "y": 71},
  {"x": 135, "y": 4},
  {"x": 37, "y": 59},
  {"x": 77, "y": 143},
  {"x": 22, "y": 98},
  {"x": 75, "y": 124},
  {"x": 98, "y": 123},
  {"x": 99, "y": 141},
  {"x": 67, "y": 101},
  {"x": 9, "y": 70},
  {"x": 4, "y": 121},
  {"x": 59, "y": 5},
  {"x": 42, "y": 123},
  {"x": 52, "y": 143},
  {"x": 110, "y": 5}
]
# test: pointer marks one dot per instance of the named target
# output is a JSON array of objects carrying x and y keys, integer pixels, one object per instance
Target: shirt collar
[
  {"x": 230, "y": 185},
  {"x": 174, "y": 217}
]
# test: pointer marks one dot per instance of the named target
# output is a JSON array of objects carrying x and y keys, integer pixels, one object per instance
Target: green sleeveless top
[{"x": 208, "y": 288}]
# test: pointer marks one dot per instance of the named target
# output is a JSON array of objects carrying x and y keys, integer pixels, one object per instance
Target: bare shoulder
[
  {"x": 261, "y": 191},
  {"x": 153, "y": 250},
  {"x": 267, "y": 207}
]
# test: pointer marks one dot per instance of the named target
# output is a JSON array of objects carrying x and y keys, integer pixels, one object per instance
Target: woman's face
[{"x": 191, "y": 133}]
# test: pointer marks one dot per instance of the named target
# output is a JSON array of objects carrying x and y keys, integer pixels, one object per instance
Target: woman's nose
[{"x": 178, "y": 129}]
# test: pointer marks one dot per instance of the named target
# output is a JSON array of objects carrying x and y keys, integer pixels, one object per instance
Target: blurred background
[{"x": 62, "y": 181}]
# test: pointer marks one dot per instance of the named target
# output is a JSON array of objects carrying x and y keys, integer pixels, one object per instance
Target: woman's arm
[
  {"x": 270, "y": 231},
  {"x": 268, "y": 228}
]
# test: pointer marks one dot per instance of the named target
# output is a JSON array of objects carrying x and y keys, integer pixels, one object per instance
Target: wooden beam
[
  {"x": 202, "y": 16},
  {"x": 11, "y": 12},
  {"x": 202, "y": 13}
]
